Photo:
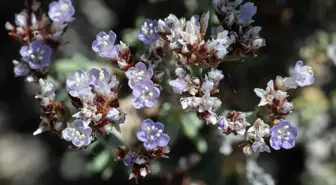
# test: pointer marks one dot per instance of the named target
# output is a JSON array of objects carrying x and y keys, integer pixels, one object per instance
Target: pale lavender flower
[
  {"x": 148, "y": 31},
  {"x": 283, "y": 135},
  {"x": 78, "y": 84},
  {"x": 105, "y": 46},
  {"x": 61, "y": 11},
  {"x": 20, "y": 69},
  {"x": 207, "y": 84},
  {"x": 152, "y": 135},
  {"x": 103, "y": 82},
  {"x": 138, "y": 74},
  {"x": 129, "y": 159},
  {"x": 178, "y": 85},
  {"x": 303, "y": 75},
  {"x": 260, "y": 146},
  {"x": 79, "y": 134},
  {"x": 222, "y": 123},
  {"x": 247, "y": 11},
  {"x": 36, "y": 54},
  {"x": 145, "y": 95},
  {"x": 99, "y": 77}
]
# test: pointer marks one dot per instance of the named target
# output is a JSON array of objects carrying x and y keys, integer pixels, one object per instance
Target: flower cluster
[
  {"x": 186, "y": 40},
  {"x": 52, "y": 110},
  {"x": 155, "y": 143},
  {"x": 197, "y": 94},
  {"x": 274, "y": 99},
  {"x": 145, "y": 93},
  {"x": 33, "y": 24},
  {"x": 39, "y": 36},
  {"x": 95, "y": 94},
  {"x": 275, "y": 95},
  {"x": 237, "y": 18}
]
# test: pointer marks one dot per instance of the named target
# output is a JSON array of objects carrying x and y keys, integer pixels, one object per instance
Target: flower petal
[
  {"x": 163, "y": 140},
  {"x": 150, "y": 145},
  {"x": 142, "y": 136},
  {"x": 146, "y": 123}
]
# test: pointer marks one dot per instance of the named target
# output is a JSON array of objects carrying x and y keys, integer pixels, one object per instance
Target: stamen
[{"x": 106, "y": 37}]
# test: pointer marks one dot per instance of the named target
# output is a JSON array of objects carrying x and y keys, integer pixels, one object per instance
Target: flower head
[
  {"x": 247, "y": 11},
  {"x": 152, "y": 135},
  {"x": 79, "y": 134},
  {"x": 303, "y": 75},
  {"x": 105, "y": 46},
  {"x": 145, "y": 95},
  {"x": 36, "y": 54},
  {"x": 78, "y": 84},
  {"x": 283, "y": 135},
  {"x": 138, "y": 74},
  {"x": 61, "y": 11},
  {"x": 148, "y": 31}
]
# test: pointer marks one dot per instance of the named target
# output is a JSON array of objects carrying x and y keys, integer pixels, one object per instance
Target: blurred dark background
[{"x": 293, "y": 29}]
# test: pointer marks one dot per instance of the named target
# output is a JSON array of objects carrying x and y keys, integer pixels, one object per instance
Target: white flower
[
  {"x": 211, "y": 118},
  {"x": 258, "y": 130},
  {"x": 192, "y": 84},
  {"x": 190, "y": 103},
  {"x": 209, "y": 103},
  {"x": 269, "y": 94},
  {"x": 215, "y": 75}
]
